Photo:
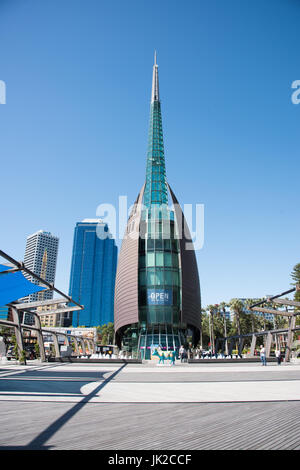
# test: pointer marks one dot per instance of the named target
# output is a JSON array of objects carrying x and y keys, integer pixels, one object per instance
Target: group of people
[
  {"x": 263, "y": 356},
  {"x": 183, "y": 355}
]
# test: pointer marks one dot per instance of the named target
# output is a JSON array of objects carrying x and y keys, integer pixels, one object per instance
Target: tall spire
[
  {"x": 156, "y": 185},
  {"x": 155, "y": 86}
]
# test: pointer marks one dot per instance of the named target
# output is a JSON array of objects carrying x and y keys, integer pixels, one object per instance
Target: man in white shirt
[
  {"x": 278, "y": 356},
  {"x": 263, "y": 356}
]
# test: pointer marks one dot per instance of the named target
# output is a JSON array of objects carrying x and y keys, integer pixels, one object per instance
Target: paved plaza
[{"x": 145, "y": 406}]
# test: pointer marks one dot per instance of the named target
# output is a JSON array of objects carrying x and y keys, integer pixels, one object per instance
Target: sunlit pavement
[{"x": 99, "y": 406}]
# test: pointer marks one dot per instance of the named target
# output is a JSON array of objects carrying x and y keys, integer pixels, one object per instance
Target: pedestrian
[
  {"x": 278, "y": 356},
  {"x": 263, "y": 356},
  {"x": 181, "y": 353}
]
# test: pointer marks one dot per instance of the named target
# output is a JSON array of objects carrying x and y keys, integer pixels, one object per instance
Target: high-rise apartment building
[
  {"x": 55, "y": 318},
  {"x": 93, "y": 271},
  {"x": 41, "y": 258}
]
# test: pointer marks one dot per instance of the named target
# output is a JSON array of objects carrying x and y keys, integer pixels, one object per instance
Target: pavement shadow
[
  {"x": 39, "y": 443},
  {"x": 49, "y": 382}
]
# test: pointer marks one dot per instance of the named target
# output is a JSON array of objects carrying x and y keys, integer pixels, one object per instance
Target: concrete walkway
[{"x": 101, "y": 406}]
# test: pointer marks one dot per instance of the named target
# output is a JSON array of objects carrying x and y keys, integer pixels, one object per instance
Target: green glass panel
[
  {"x": 159, "y": 277},
  {"x": 151, "y": 315},
  {"x": 143, "y": 278},
  {"x": 167, "y": 244},
  {"x": 155, "y": 160},
  {"x": 168, "y": 259},
  {"x": 151, "y": 277},
  {"x": 150, "y": 259},
  {"x": 159, "y": 259},
  {"x": 158, "y": 244},
  {"x": 175, "y": 260},
  {"x": 168, "y": 278},
  {"x": 175, "y": 278},
  {"x": 150, "y": 244}
]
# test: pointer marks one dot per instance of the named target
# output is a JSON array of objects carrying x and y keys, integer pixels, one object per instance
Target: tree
[
  {"x": 223, "y": 306},
  {"x": 205, "y": 330},
  {"x": 296, "y": 277},
  {"x": 37, "y": 349},
  {"x": 237, "y": 307},
  {"x": 106, "y": 333},
  {"x": 201, "y": 329},
  {"x": 248, "y": 303},
  {"x": 211, "y": 311}
]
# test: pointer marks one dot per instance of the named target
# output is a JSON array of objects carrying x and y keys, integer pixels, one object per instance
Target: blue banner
[{"x": 159, "y": 296}]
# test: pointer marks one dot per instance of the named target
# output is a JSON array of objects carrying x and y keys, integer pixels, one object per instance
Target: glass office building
[
  {"x": 93, "y": 271},
  {"x": 157, "y": 296}
]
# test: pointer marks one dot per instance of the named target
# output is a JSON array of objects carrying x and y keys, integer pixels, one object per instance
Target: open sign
[{"x": 159, "y": 296}]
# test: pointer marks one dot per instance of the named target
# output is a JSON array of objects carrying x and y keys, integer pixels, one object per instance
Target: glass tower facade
[
  {"x": 158, "y": 305},
  {"x": 93, "y": 272},
  {"x": 159, "y": 261}
]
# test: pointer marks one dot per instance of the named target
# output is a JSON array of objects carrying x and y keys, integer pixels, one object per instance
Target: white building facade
[{"x": 41, "y": 258}]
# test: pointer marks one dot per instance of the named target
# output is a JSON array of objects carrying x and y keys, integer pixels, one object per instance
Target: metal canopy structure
[
  {"x": 21, "y": 267},
  {"x": 292, "y": 315},
  {"x": 13, "y": 286},
  {"x": 270, "y": 335}
]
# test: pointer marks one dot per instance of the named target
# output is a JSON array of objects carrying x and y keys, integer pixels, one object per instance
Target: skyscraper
[
  {"x": 157, "y": 295},
  {"x": 41, "y": 258},
  {"x": 93, "y": 271}
]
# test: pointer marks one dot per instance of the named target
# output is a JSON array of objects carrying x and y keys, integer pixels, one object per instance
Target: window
[
  {"x": 143, "y": 277},
  {"x": 142, "y": 261},
  {"x": 151, "y": 277},
  {"x": 150, "y": 259},
  {"x": 158, "y": 244},
  {"x": 168, "y": 259},
  {"x": 159, "y": 259},
  {"x": 159, "y": 277},
  {"x": 167, "y": 244},
  {"x": 150, "y": 244},
  {"x": 175, "y": 260},
  {"x": 175, "y": 278},
  {"x": 168, "y": 278}
]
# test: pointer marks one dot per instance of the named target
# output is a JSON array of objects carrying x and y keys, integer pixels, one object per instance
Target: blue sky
[{"x": 73, "y": 131}]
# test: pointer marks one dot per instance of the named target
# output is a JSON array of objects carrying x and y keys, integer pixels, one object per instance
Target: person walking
[
  {"x": 263, "y": 357},
  {"x": 278, "y": 356},
  {"x": 181, "y": 353}
]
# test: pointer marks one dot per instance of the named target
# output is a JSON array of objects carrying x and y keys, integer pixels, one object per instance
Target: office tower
[
  {"x": 157, "y": 295},
  {"x": 93, "y": 272},
  {"x": 41, "y": 258}
]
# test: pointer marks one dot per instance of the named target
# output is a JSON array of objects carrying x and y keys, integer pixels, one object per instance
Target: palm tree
[
  {"x": 223, "y": 306},
  {"x": 248, "y": 303},
  {"x": 201, "y": 331},
  {"x": 237, "y": 306},
  {"x": 211, "y": 310}
]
